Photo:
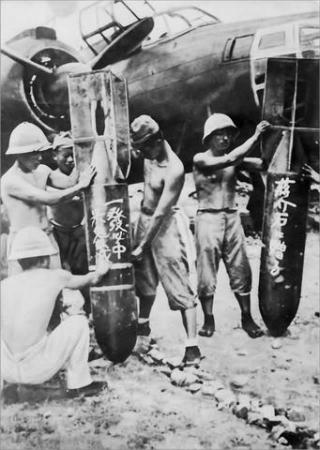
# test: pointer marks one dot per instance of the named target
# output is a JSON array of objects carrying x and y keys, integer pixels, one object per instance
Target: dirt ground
[{"x": 143, "y": 410}]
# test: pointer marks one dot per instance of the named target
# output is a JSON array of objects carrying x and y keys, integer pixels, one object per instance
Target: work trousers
[
  {"x": 67, "y": 346},
  {"x": 219, "y": 235}
]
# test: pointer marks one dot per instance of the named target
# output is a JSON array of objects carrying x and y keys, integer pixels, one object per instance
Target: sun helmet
[
  {"x": 215, "y": 122},
  {"x": 31, "y": 242},
  {"x": 27, "y": 138}
]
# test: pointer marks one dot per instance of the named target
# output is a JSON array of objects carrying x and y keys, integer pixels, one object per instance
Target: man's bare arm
[
  {"x": 90, "y": 279},
  {"x": 59, "y": 180},
  {"x": 206, "y": 160},
  {"x": 253, "y": 165},
  {"x": 25, "y": 191}
]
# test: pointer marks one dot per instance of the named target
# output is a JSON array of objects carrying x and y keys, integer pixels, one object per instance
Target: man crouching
[{"x": 29, "y": 354}]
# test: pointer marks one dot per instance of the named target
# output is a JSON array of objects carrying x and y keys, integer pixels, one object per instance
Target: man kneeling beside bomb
[{"x": 29, "y": 354}]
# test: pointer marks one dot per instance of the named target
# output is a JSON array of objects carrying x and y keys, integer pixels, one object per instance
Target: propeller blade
[{"x": 26, "y": 62}]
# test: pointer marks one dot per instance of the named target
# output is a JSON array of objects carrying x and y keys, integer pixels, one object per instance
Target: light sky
[{"x": 18, "y": 15}]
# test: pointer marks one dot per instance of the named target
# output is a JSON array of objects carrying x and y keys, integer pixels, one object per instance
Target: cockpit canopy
[{"x": 102, "y": 22}]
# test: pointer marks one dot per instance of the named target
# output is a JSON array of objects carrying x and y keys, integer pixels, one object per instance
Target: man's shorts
[
  {"x": 170, "y": 260},
  {"x": 220, "y": 235},
  {"x": 72, "y": 246}
]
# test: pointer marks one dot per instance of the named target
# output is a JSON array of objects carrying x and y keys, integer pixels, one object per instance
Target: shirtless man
[
  {"x": 29, "y": 354},
  {"x": 66, "y": 217},
  {"x": 219, "y": 233},
  {"x": 23, "y": 186},
  {"x": 162, "y": 250}
]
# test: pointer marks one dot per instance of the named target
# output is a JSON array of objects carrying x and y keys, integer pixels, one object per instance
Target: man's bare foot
[
  {"x": 250, "y": 327},
  {"x": 208, "y": 328}
]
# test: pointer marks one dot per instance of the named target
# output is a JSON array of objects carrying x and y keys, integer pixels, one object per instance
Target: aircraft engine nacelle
[{"x": 28, "y": 95}]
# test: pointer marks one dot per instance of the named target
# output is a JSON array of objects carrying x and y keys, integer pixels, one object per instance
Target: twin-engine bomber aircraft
[{"x": 180, "y": 64}]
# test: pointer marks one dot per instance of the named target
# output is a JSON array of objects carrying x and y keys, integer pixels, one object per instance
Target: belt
[
  {"x": 63, "y": 228},
  {"x": 149, "y": 212},
  {"x": 213, "y": 210}
]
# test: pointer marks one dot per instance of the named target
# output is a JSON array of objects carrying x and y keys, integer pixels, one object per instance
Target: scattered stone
[
  {"x": 276, "y": 344},
  {"x": 316, "y": 440},
  {"x": 190, "y": 379},
  {"x": 217, "y": 385},
  {"x": 279, "y": 420},
  {"x": 208, "y": 390},
  {"x": 244, "y": 400},
  {"x": 156, "y": 355},
  {"x": 142, "y": 345},
  {"x": 166, "y": 371},
  {"x": 241, "y": 411},
  {"x": 242, "y": 353},
  {"x": 283, "y": 441},
  {"x": 255, "y": 418},
  {"x": 296, "y": 415},
  {"x": 181, "y": 378},
  {"x": 283, "y": 366},
  {"x": 290, "y": 427},
  {"x": 200, "y": 373},
  {"x": 267, "y": 412},
  {"x": 174, "y": 362},
  {"x": 154, "y": 345},
  {"x": 147, "y": 359},
  {"x": 280, "y": 411},
  {"x": 255, "y": 405},
  {"x": 225, "y": 397},
  {"x": 48, "y": 429},
  {"x": 239, "y": 381},
  {"x": 193, "y": 388},
  {"x": 277, "y": 431}
]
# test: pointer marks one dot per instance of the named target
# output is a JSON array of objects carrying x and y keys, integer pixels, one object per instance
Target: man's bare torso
[
  {"x": 70, "y": 212},
  {"x": 155, "y": 175},
  {"x": 20, "y": 212},
  {"x": 27, "y": 302},
  {"x": 216, "y": 188}
]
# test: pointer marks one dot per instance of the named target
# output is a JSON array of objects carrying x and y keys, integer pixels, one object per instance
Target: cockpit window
[
  {"x": 241, "y": 47},
  {"x": 271, "y": 40},
  {"x": 178, "y": 20},
  {"x": 309, "y": 38}
]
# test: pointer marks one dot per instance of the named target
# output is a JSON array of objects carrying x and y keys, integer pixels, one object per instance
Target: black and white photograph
[{"x": 159, "y": 241}]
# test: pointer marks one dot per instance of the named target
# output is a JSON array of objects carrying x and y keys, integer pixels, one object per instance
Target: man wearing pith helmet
[
  {"x": 219, "y": 234},
  {"x": 23, "y": 186},
  {"x": 29, "y": 354},
  {"x": 163, "y": 244}
]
